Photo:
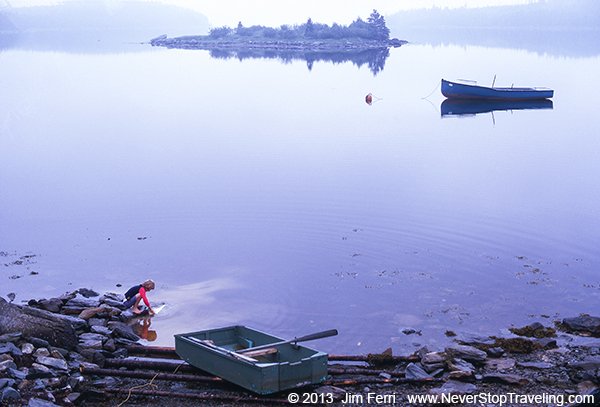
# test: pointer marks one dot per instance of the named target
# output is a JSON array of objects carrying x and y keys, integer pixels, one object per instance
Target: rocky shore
[
  {"x": 207, "y": 43},
  {"x": 57, "y": 352}
]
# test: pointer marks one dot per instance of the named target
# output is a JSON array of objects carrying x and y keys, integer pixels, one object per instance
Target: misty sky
[{"x": 276, "y": 12}]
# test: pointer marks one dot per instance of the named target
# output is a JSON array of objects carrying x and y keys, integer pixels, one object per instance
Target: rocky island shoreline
[
  {"x": 236, "y": 44},
  {"x": 80, "y": 349}
]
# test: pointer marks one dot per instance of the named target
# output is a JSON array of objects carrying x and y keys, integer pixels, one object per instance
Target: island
[{"x": 361, "y": 42}]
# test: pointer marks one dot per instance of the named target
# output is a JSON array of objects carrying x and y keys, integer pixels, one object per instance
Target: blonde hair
[{"x": 148, "y": 284}]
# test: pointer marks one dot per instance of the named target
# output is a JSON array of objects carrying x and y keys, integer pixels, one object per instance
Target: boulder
[
  {"x": 583, "y": 324},
  {"x": 505, "y": 379},
  {"x": 34, "y": 322},
  {"x": 83, "y": 303},
  {"x": 416, "y": 372},
  {"x": 52, "y": 305},
  {"x": 87, "y": 293},
  {"x": 468, "y": 353}
]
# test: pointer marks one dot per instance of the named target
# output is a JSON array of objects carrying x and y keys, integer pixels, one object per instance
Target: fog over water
[{"x": 266, "y": 192}]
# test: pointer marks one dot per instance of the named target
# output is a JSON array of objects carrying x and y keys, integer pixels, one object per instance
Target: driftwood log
[{"x": 32, "y": 322}]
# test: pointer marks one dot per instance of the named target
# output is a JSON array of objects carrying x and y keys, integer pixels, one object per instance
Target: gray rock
[
  {"x": 495, "y": 352},
  {"x": 9, "y": 394},
  {"x": 546, "y": 343},
  {"x": 41, "y": 352},
  {"x": 90, "y": 344},
  {"x": 39, "y": 371},
  {"x": 114, "y": 303},
  {"x": 87, "y": 293},
  {"x": 66, "y": 297},
  {"x": 433, "y": 357},
  {"x": 39, "y": 385},
  {"x": 99, "y": 329},
  {"x": 6, "y": 383},
  {"x": 39, "y": 343},
  {"x": 7, "y": 364},
  {"x": 454, "y": 387},
  {"x": 74, "y": 381},
  {"x": 432, "y": 367},
  {"x": 10, "y": 337},
  {"x": 500, "y": 364},
  {"x": 109, "y": 345},
  {"x": 125, "y": 332},
  {"x": 57, "y": 329},
  {"x": 460, "y": 369},
  {"x": 589, "y": 363},
  {"x": 88, "y": 313},
  {"x": 11, "y": 348},
  {"x": 27, "y": 348},
  {"x": 93, "y": 336},
  {"x": 18, "y": 374},
  {"x": 52, "y": 305},
  {"x": 96, "y": 322},
  {"x": 475, "y": 340},
  {"x": 112, "y": 296},
  {"x": 83, "y": 303},
  {"x": 415, "y": 372},
  {"x": 53, "y": 363},
  {"x": 535, "y": 365},
  {"x": 505, "y": 379},
  {"x": 468, "y": 353},
  {"x": 583, "y": 324},
  {"x": 73, "y": 397},
  {"x": 59, "y": 353},
  {"x": 36, "y": 402}
]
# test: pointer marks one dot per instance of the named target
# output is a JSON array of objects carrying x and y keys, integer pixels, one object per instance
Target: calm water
[{"x": 262, "y": 193}]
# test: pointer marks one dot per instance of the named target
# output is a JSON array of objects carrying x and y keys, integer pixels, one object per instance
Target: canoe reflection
[{"x": 468, "y": 107}]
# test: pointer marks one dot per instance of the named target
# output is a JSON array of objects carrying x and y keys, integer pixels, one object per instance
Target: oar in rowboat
[{"x": 311, "y": 337}]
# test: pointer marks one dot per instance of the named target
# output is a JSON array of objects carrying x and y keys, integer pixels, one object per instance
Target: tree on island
[
  {"x": 377, "y": 25},
  {"x": 372, "y": 29}
]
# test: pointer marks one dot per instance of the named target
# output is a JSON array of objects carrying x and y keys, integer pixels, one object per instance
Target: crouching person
[{"x": 137, "y": 293}]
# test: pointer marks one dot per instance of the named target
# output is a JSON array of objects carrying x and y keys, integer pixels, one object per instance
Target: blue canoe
[{"x": 457, "y": 90}]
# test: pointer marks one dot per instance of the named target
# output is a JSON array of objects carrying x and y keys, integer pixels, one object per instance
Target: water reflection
[
  {"x": 373, "y": 58},
  {"x": 466, "y": 107},
  {"x": 141, "y": 327}
]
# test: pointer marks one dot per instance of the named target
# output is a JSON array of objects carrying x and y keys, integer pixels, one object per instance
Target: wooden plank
[
  {"x": 260, "y": 352},
  {"x": 210, "y": 344}
]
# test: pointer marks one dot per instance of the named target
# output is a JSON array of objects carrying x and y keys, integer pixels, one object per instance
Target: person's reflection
[{"x": 142, "y": 329}]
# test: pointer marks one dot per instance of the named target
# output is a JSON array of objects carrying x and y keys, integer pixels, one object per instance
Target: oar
[{"x": 318, "y": 335}]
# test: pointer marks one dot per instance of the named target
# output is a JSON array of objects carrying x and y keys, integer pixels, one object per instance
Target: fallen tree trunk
[
  {"x": 140, "y": 374},
  {"x": 32, "y": 322},
  {"x": 198, "y": 396}
]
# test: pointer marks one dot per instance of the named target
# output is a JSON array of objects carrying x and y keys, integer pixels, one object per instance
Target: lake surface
[{"x": 269, "y": 194}]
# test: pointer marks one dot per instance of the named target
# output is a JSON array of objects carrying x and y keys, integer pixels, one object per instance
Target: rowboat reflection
[{"x": 471, "y": 107}]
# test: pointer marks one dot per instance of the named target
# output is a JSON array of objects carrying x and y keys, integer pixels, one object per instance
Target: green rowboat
[{"x": 253, "y": 359}]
